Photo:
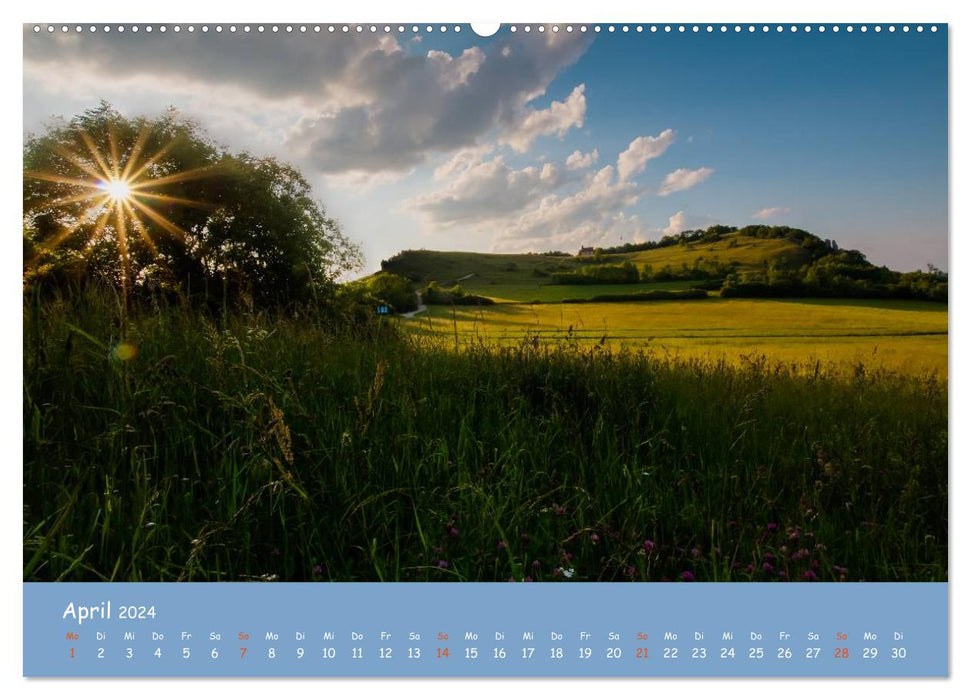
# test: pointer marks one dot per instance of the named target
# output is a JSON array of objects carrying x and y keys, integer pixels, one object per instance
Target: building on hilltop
[{"x": 585, "y": 252}]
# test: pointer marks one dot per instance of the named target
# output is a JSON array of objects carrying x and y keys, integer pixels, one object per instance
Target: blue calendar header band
[{"x": 485, "y": 630}]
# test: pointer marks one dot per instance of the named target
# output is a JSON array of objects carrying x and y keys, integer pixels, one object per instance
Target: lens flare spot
[{"x": 125, "y": 351}]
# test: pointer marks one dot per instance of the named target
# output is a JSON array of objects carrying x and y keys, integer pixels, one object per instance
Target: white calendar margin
[{"x": 463, "y": 12}]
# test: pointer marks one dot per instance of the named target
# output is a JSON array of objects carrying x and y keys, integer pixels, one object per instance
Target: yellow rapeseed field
[{"x": 904, "y": 336}]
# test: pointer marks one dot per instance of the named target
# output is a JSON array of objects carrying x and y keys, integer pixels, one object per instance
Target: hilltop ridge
[{"x": 753, "y": 261}]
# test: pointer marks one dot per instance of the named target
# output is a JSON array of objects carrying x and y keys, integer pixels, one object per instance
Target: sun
[{"x": 118, "y": 190}]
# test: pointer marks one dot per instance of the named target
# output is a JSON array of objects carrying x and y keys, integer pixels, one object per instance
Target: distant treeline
[
  {"x": 629, "y": 273},
  {"x": 846, "y": 274},
  {"x": 436, "y": 295},
  {"x": 653, "y": 295}
]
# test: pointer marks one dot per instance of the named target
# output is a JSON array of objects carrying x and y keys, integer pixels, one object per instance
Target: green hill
[{"x": 754, "y": 261}]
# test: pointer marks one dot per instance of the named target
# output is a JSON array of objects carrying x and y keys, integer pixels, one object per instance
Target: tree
[{"x": 154, "y": 201}]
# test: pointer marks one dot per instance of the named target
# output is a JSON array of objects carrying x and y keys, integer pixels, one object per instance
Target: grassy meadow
[{"x": 179, "y": 446}]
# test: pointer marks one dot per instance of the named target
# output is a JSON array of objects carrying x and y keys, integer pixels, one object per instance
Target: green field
[
  {"x": 178, "y": 445},
  {"x": 908, "y": 336}
]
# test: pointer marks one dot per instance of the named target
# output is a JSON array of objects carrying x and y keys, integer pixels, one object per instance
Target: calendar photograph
[{"x": 543, "y": 303}]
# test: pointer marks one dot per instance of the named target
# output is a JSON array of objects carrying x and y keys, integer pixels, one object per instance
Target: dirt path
[{"x": 421, "y": 307}]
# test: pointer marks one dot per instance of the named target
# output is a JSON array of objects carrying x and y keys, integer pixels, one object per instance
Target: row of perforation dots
[{"x": 360, "y": 28}]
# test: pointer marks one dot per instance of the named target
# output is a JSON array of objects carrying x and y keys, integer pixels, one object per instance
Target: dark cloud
[{"x": 358, "y": 102}]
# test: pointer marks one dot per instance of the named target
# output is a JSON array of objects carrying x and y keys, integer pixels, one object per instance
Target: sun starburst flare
[{"x": 119, "y": 189}]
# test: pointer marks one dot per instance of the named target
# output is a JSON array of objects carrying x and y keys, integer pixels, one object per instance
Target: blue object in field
[{"x": 383, "y": 309}]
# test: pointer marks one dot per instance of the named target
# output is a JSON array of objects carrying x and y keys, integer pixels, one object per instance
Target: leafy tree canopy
[{"x": 154, "y": 201}]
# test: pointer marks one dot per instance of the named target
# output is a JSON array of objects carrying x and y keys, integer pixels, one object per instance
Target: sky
[{"x": 552, "y": 140}]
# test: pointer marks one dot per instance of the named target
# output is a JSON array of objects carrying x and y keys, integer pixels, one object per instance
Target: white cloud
[
  {"x": 557, "y": 119},
  {"x": 578, "y": 160},
  {"x": 642, "y": 149},
  {"x": 682, "y": 179},
  {"x": 461, "y": 160},
  {"x": 590, "y": 215},
  {"x": 769, "y": 213},
  {"x": 686, "y": 222},
  {"x": 484, "y": 193}
]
